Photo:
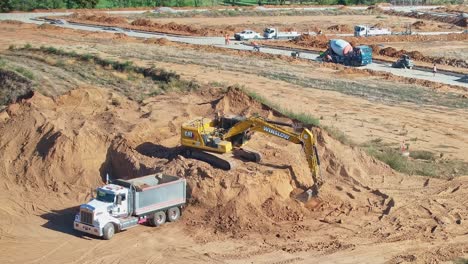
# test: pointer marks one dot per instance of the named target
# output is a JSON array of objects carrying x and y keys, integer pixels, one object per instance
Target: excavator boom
[{"x": 204, "y": 137}]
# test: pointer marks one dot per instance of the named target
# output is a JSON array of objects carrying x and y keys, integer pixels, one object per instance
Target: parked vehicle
[
  {"x": 58, "y": 22},
  {"x": 403, "y": 62},
  {"x": 127, "y": 203},
  {"x": 364, "y": 31},
  {"x": 274, "y": 33},
  {"x": 342, "y": 52},
  {"x": 246, "y": 35}
]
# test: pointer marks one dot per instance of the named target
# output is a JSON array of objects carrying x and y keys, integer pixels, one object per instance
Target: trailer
[
  {"x": 274, "y": 33},
  {"x": 152, "y": 199}
]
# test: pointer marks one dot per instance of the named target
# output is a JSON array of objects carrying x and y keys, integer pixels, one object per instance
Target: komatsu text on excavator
[{"x": 218, "y": 140}]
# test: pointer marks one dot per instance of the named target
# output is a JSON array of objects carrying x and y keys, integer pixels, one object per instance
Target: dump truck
[
  {"x": 365, "y": 31},
  {"x": 123, "y": 204},
  {"x": 340, "y": 51},
  {"x": 274, "y": 33}
]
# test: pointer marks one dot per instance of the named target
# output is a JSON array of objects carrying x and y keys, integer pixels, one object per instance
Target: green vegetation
[
  {"x": 461, "y": 261},
  {"x": 420, "y": 162},
  {"x": 137, "y": 83},
  {"x": 304, "y": 118},
  {"x": 339, "y": 135}
]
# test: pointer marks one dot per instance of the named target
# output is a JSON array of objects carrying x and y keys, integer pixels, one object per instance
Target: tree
[
  {"x": 86, "y": 3},
  {"x": 6, "y": 6}
]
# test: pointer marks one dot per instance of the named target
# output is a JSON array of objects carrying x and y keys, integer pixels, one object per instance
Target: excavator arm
[{"x": 305, "y": 138}]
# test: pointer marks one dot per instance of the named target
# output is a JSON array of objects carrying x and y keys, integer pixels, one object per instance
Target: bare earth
[
  {"x": 306, "y": 23},
  {"x": 53, "y": 150}
]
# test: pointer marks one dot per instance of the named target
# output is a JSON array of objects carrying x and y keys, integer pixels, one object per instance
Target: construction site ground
[
  {"x": 85, "y": 120},
  {"x": 341, "y": 23},
  {"x": 428, "y": 47}
]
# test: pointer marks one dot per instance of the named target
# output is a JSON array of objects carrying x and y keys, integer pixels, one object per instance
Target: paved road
[{"x": 442, "y": 77}]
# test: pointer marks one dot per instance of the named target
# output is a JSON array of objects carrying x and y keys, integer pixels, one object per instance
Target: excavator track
[
  {"x": 221, "y": 161},
  {"x": 248, "y": 154}
]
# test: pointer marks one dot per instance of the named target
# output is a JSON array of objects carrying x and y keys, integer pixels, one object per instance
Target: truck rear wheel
[
  {"x": 108, "y": 231},
  {"x": 173, "y": 214},
  {"x": 158, "y": 219}
]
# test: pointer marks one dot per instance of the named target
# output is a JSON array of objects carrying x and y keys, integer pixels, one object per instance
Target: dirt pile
[
  {"x": 320, "y": 41},
  {"x": 85, "y": 137},
  {"x": 458, "y": 19},
  {"x": 418, "y": 24},
  {"x": 69, "y": 143},
  {"x": 101, "y": 18},
  {"x": 342, "y": 28},
  {"x": 142, "y": 24},
  {"x": 416, "y": 55}
]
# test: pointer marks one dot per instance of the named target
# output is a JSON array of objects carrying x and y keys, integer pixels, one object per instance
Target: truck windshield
[
  {"x": 358, "y": 28},
  {"x": 105, "y": 197}
]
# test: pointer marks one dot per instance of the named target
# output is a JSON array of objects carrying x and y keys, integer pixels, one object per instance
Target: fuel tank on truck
[{"x": 340, "y": 47}]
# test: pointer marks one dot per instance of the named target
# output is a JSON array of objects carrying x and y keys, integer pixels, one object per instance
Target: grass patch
[
  {"x": 422, "y": 155},
  {"x": 461, "y": 261},
  {"x": 167, "y": 80},
  {"x": 339, "y": 135},
  {"x": 304, "y": 118},
  {"x": 420, "y": 162},
  {"x": 24, "y": 72}
]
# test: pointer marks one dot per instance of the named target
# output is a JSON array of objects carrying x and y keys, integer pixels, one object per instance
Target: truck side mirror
[{"x": 119, "y": 200}]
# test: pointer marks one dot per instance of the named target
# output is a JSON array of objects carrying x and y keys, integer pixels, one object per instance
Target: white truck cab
[
  {"x": 363, "y": 30},
  {"x": 110, "y": 203},
  {"x": 274, "y": 33}
]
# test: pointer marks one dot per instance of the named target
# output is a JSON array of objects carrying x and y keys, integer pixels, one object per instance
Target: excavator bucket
[{"x": 308, "y": 194}]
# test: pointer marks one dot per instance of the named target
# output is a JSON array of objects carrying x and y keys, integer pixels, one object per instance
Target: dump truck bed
[{"x": 155, "y": 192}]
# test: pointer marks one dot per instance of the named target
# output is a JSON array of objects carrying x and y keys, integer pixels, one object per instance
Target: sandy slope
[{"x": 54, "y": 150}]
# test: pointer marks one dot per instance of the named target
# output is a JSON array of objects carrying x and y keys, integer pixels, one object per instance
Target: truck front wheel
[
  {"x": 108, "y": 231},
  {"x": 173, "y": 214},
  {"x": 158, "y": 219}
]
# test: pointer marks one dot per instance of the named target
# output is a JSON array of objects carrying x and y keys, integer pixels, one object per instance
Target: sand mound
[
  {"x": 77, "y": 138},
  {"x": 52, "y": 151},
  {"x": 342, "y": 28},
  {"x": 101, "y": 18}
]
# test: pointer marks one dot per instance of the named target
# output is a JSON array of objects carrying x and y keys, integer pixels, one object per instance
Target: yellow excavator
[{"x": 217, "y": 141}]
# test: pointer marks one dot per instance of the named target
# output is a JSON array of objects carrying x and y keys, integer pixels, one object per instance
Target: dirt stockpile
[
  {"x": 67, "y": 145},
  {"x": 142, "y": 24},
  {"x": 416, "y": 55},
  {"x": 99, "y": 18},
  {"x": 456, "y": 19},
  {"x": 340, "y": 28}
]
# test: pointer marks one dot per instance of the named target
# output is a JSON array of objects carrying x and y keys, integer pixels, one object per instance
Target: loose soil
[
  {"x": 68, "y": 143},
  {"x": 55, "y": 149},
  {"x": 218, "y": 26}
]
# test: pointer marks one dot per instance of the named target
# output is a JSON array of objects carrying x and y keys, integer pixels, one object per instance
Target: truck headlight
[{"x": 77, "y": 217}]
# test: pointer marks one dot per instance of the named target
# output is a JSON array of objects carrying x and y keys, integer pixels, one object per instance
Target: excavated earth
[{"x": 54, "y": 150}]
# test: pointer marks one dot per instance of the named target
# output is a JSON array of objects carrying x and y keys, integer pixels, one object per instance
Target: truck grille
[{"x": 86, "y": 217}]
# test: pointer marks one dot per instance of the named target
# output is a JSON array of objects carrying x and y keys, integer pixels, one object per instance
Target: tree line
[{"x": 28, "y": 5}]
